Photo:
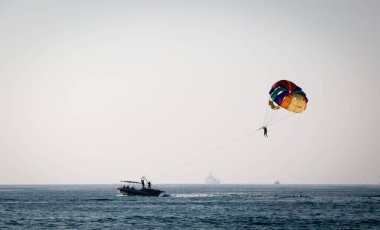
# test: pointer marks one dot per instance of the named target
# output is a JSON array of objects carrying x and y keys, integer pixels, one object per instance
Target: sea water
[{"x": 191, "y": 207}]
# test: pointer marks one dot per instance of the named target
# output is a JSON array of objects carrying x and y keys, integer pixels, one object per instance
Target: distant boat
[
  {"x": 211, "y": 179},
  {"x": 134, "y": 188},
  {"x": 277, "y": 182}
]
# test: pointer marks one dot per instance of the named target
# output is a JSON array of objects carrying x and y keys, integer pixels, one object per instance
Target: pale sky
[{"x": 100, "y": 91}]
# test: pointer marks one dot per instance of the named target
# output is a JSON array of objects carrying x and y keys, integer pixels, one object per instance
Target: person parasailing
[
  {"x": 265, "y": 132},
  {"x": 265, "y": 128}
]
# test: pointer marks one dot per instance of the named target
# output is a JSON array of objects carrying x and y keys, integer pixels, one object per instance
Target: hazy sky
[{"x": 99, "y": 91}]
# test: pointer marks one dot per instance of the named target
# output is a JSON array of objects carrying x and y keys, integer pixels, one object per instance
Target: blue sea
[{"x": 191, "y": 207}]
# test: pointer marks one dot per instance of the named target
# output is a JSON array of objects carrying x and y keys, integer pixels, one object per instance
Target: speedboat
[{"x": 134, "y": 188}]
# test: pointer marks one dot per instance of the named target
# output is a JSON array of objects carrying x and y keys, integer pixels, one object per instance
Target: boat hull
[{"x": 139, "y": 192}]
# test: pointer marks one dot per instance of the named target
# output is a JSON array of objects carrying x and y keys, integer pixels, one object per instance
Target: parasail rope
[
  {"x": 267, "y": 122},
  {"x": 208, "y": 153},
  {"x": 266, "y": 116},
  {"x": 281, "y": 119}
]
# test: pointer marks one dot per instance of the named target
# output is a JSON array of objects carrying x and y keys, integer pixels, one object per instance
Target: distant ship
[
  {"x": 277, "y": 182},
  {"x": 211, "y": 179}
]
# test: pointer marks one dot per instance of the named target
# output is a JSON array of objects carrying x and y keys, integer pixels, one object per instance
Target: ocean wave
[
  {"x": 23, "y": 202},
  {"x": 100, "y": 199}
]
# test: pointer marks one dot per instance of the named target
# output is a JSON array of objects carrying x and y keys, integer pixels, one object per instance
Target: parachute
[{"x": 287, "y": 95}]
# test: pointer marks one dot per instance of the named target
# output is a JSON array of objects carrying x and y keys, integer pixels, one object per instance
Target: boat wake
[
  {"x": 236, "y": 195},
  {"x": 119, "y": 194},
  {"x": 200, "y": 195},
  {"x": 254, "y": 196}
]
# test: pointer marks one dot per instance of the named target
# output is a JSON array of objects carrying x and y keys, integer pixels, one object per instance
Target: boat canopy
[{"x": 133, "y": 182}]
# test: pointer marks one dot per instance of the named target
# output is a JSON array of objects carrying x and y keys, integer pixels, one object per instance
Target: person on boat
[
  {"x": 149, "y": 184},
  {"x": 265, "y": 131},
  {"x": 143, "y": 183}
]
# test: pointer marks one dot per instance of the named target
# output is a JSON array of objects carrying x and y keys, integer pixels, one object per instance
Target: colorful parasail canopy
[{"x": 287, "y": 95}]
